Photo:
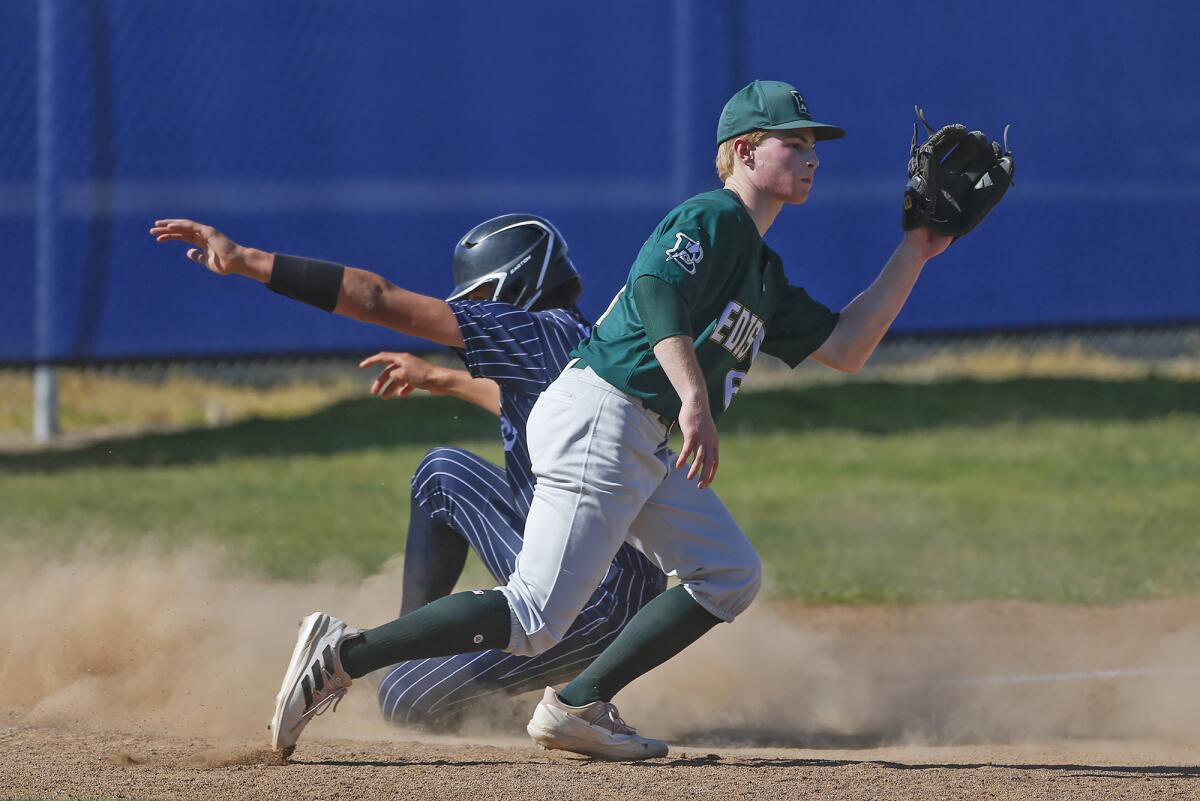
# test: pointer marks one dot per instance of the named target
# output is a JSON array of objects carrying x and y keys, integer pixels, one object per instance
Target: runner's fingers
[
  {"x": 184, "y": 230},
  {"x": 378, "y": 358},
  {"x": 199, "y": 256},
  {"x": 166, "y": 227},
  {"x": 396, "y": 389},
  {"x": 382, "y": 382}
]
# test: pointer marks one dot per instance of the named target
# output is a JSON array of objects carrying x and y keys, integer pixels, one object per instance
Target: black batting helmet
[{"x": 524, "y": 254}]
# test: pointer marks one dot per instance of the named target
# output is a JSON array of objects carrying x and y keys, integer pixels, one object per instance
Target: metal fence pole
[
  {"x": 45, "y": 378},
  {"x": 45, "y": 403}
]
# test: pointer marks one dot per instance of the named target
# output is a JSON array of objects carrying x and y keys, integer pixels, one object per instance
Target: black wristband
[{"x": 310, "y": 281}]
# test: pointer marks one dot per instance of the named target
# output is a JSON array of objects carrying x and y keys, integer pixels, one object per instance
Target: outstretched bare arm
[
  {"x": 866, "y": 319},
  {"x": 363, "y": 295}
]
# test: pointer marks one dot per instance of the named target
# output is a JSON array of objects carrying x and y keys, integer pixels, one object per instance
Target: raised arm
[
  {"x": 404, "y": 372},
  {"x": 865, "y": 320},
  {"x": 348, "y": 291}
]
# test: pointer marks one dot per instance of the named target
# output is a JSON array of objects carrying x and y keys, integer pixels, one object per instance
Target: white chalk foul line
[{"x": 1078, "y": 675}]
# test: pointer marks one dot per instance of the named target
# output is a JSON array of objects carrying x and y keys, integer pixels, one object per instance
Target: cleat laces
[
  {"x": 322, "y": 706},
  {"x": 321, "y": 702},
  {"x": 611, "y": 719}
]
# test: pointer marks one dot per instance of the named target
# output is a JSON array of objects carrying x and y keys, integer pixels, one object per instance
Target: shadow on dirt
[
  {"x": 829, "y": 741},
  {"x": 746, "y": 738}
]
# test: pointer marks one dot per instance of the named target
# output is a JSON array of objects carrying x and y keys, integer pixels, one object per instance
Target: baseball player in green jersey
[{"x": 704, "y": 297}]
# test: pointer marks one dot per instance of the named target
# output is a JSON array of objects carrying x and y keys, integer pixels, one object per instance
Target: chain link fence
[{"x": 124, "y": 399}]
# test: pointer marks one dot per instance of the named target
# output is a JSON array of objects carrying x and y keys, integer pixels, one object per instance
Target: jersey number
[{"x": 733, "y": 382}]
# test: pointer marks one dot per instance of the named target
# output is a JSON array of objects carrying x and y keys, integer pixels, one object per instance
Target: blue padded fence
[{"x": 375, "y": 133}]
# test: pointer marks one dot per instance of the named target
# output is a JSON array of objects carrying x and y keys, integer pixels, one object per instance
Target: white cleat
[
  {"x": 595, "y": 730},
  {"x": 314, "y": 679}
]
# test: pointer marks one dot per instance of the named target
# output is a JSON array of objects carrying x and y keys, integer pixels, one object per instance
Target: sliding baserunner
[{"x": 513, "y": 318}]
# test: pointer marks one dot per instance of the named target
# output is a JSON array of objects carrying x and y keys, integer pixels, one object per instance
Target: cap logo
[
  {"x": 801, "y": 106},
  {"x": 686, "y": 252}
]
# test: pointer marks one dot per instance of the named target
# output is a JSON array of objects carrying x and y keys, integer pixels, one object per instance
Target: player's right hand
[
  {"x": 213, "y": 249},
  {"x": 699, "y": 440},
  {"x": 402, "y": 374}
]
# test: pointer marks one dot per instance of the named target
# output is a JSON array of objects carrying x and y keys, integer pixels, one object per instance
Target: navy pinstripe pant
[{"x": 472, "y": 497}]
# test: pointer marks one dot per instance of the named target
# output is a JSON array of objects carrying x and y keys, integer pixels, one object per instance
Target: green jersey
[{"x": 739, "y": 302}]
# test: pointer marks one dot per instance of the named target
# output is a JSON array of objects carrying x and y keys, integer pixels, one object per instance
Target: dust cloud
[
  {"x": 982, "y": 673},
  {"x": 178, "y": 642},
  {"x": 184, "y": 644}
]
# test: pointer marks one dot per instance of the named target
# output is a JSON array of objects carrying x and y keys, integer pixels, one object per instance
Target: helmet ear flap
[{"x": 560, "y": 285}]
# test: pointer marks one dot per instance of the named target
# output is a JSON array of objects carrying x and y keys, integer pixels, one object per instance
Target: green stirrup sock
[
  {"x": 661, "y": 629},
  {"x": 457, "y": 624}
]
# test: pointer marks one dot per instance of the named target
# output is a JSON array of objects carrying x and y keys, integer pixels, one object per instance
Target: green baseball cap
[{"x": 770, "y": 106}]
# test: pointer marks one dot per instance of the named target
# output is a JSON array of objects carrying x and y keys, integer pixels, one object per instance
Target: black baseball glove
[{"x": 954, "y": 179}]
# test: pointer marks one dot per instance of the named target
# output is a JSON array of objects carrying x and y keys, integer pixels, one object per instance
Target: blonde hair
[{"x": 725, "y": 152}]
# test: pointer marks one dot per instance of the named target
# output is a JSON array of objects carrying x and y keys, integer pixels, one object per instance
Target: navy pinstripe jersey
[{"x": 523, "y": 352}]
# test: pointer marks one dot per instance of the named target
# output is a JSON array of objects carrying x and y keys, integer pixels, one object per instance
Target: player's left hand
[
  {"x": 955, "y": 178},
  {"x": 927, "y": 243},
  {"x": 213, "y": 249},
  {"x": 402, "y": 374}
]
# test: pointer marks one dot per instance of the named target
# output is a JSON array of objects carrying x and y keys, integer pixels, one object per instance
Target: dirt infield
[
  {"x": 49, "y": 762},
  {"x": 151, "y": 676}
]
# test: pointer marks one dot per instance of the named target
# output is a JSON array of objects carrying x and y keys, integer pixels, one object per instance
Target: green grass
[{"x": 1053, "y": 490}]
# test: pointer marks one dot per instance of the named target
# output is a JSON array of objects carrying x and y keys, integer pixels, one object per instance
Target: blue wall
[{"x": 375, "y": 133}]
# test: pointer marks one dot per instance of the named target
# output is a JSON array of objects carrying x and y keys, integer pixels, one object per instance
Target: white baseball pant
[{"x": 605, "y": 476}]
